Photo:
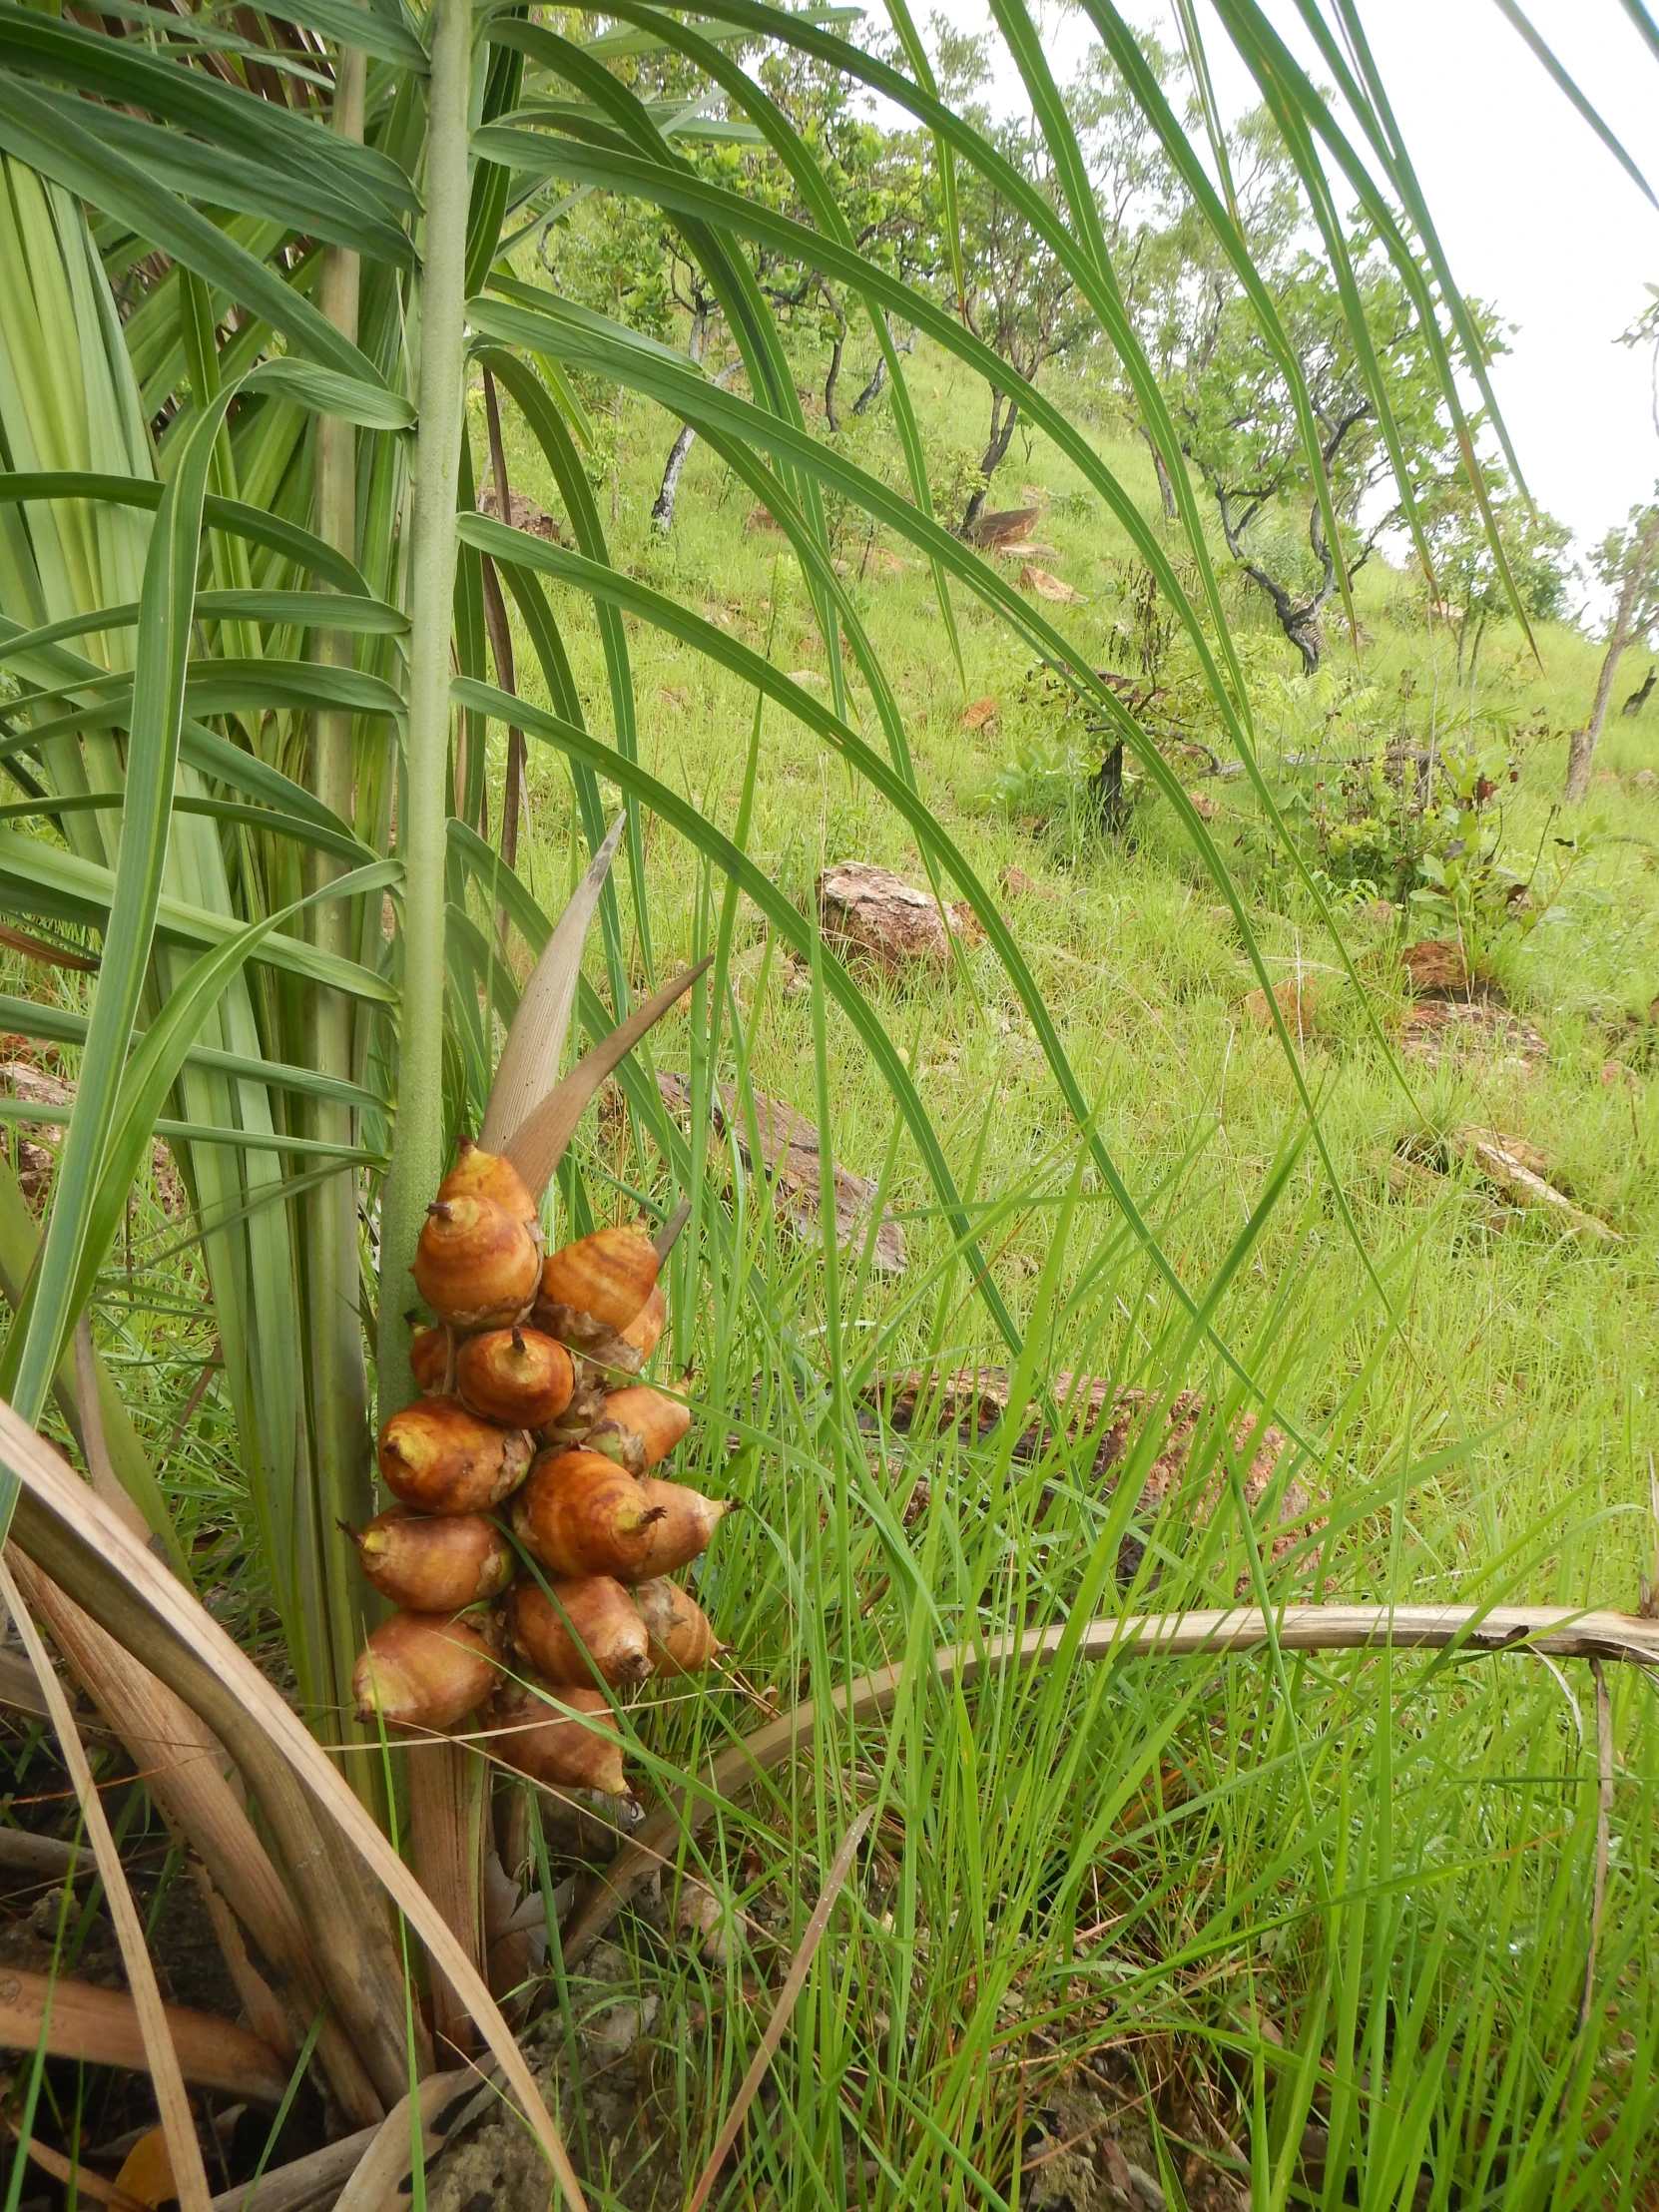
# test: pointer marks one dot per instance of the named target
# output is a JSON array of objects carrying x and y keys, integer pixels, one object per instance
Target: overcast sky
[{"x": 1536, "y": 214}]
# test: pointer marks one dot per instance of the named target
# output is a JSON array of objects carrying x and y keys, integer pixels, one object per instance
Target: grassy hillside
[{"x": 1225, "y": 1903}]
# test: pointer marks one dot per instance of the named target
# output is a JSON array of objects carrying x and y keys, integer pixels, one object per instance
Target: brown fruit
[
  {"x": 429, "y": 1358},
  {"x": 645, "y": 1331},
  {"x": 487, "y": 1175},
  {"x": 580, "y": 1513},
  {"x": 476, "y": 1265},
  {"x": 516, "y": 1376},
  {"x": 439, "y": 1458},
  {"x": 564, "y": 1739},
  {"x": 681, "y": 1635},
  {"x": 434, "y": 1564},
  {"x": 589, "y": 1622},
  {"x": 591, "y": 1290},
  {"x": 419, "y": 1670},
  {"x": 640, "y": 1427},
  {"x": 685, "y": 1521}
]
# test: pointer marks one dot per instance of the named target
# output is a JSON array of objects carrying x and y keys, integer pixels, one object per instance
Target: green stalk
[
  {"x": 338, "y": 1381},
  {"x": 417, "y": 1153}
]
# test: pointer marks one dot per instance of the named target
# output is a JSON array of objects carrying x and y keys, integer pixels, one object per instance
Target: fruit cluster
[{"x": 522, "y": 1412}]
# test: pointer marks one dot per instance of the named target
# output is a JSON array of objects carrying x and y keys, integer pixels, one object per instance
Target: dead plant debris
[
  {"x": 789, "y": 1155},
  {"x": 974, "y": 1401}
]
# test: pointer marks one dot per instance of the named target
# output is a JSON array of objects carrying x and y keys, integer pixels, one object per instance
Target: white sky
[{"x": 1535, "y": 216}]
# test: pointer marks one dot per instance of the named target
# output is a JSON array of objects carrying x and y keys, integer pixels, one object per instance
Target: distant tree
[
  {"x": 1233, "y": 406},
  {"x": 1627, "y": 562},
  {"x": 1017, "y": 296},
  {"x": 1472, "y": 590}
]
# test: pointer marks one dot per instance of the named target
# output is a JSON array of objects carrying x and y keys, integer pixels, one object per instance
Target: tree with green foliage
[
  {"x": 1626, "y": 562},
  {"x": 1232, "y": 402},
  {"x": 1472, "y": 590}
]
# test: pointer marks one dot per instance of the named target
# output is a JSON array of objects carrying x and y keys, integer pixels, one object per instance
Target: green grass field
[{"x": 1250, "y": 1907}]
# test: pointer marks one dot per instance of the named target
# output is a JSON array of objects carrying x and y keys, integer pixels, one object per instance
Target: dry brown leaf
[
  {"x": 101, "y": 2027},
  {"x": 1048, "y": 586},
  {"x": 979, "y": 712},
  {"x": 161, "y": 2057},
  {"x": 73, "y": 1535},
  {"x": 381, "y": 2178},
  {"x": 789, "y": 1155},
  {"x": 146, "y": 2171}
]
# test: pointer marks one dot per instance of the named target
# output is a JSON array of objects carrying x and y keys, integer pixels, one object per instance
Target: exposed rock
[
  {"x": 1018, "y": 884},
  {"x": 523, "y": 513},
  {"x": 1436, "y": 970},
  {"x": 997, "y": 528},
  {"x": 1048, "y": 586},
  {"x": 1441, "y": 1028},
  {"x": 1299, "y": 997},
  {"x": 870, "y": 913}
]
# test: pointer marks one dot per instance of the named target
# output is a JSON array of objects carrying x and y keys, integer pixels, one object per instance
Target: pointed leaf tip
[
  {"x": 529, "y": 1064},
  {"x": 538, "y": 1143}
]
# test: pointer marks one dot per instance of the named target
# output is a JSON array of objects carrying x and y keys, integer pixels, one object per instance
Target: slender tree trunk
[
  {"x": 1166, "y": 490},
  {"x": 662, "y": 507},
  {"x": 872, "y": 390},
  {"x": 834, "y": 370},
  {"x": 338, "y": 1382},
  {"x": 1001, "y": 437},
  {"x": 1581, "y": 750}
]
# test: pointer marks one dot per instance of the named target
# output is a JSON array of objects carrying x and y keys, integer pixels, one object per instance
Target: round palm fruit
[
  {"x": 639, "y": 1427},
  {"x": 565, "y": 1739},
  {"x": 419, "y": 1670},
  {"x": 487, "y": 1175},
  {"x": 429, "y": 1358},
  {"x": 578, "y": 1626},
  {"x": 476, "y": 1266},
  {"x": 580, "y": 1513},
  {"x": 439, "y": 1458},
  {"x": 680, "y": 1522},
  {"x": 645, "y": 1331},
  {"x": 591, "y": 1290},
  {"x": 515, "y": 1375},
  {"x": 435, "y": 1563},
  {"x": 679, "y": 1635}
]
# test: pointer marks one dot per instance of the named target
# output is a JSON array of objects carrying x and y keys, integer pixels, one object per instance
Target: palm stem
[
  {"x": 340, "y": 1385},
  {"x": 417, "y": 1140}
]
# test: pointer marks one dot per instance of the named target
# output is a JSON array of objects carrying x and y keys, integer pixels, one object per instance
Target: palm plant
[{"x": 249, "y": 615}]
